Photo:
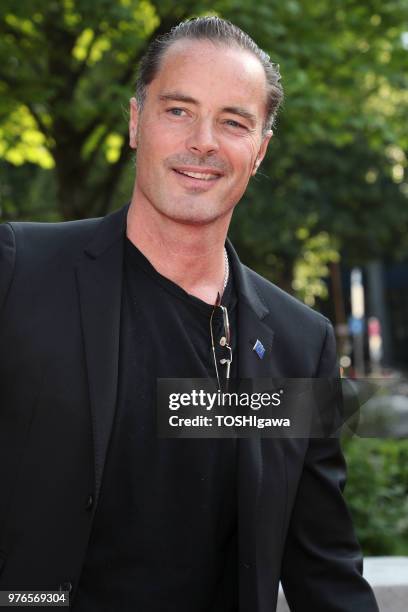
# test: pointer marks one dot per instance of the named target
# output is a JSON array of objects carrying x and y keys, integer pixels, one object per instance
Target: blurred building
[{"x": 386, "y": 298}]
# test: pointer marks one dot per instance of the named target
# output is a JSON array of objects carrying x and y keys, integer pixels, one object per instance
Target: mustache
[{"x": 208, "y": 161}]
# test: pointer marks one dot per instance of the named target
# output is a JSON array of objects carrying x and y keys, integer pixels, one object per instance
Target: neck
[{"x": 192, "y": 256}]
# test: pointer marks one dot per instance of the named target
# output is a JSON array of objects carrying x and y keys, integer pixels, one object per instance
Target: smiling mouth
[{"x": 202, "y": 176}]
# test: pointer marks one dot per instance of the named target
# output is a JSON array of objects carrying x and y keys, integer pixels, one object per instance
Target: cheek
[
  {"x": 246, "y": 146},
  {"x": 244, "y": 156},
  {"x": 163, "y": 144}
]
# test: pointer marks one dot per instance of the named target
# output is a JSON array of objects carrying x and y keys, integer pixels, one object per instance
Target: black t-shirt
[{"x": 164, "y": 534}]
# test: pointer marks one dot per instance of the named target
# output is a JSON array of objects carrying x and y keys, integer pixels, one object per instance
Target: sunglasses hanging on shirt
[{"x": 225, "y": 342}]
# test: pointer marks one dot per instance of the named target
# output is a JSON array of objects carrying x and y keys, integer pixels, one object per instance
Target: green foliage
[
  {"x": 335, "y": 177},
  {"x": 377, "y": 493}
]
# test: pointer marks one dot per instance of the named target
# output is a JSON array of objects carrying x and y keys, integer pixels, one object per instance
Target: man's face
[{"x": 199, "y": 134}]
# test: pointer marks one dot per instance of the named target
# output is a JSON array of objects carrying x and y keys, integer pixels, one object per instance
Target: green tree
[{"x": 334, "y": 180}]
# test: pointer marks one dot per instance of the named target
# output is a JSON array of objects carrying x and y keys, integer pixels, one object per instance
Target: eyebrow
[
  {"x": 178, "y": 97},
  {"x": 233, "y": 110}
]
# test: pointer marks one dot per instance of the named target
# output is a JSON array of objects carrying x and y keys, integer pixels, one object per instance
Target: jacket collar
[
  {"x": 244, "y": 284},
  {"x": 252, "y": 326},
  {"x": 111, "y": 229}
]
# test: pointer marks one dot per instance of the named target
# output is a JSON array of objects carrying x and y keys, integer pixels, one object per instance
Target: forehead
[{"x": 225, "y": 74}]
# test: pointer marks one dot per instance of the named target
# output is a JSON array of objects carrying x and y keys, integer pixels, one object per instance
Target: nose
[{"x": 202, "y": 139}]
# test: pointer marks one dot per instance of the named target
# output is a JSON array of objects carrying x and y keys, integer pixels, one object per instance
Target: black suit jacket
[{"x": 60, "y": 296}]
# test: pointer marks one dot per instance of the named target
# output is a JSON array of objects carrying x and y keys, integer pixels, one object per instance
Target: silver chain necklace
[{"x": 226, "y": 270}]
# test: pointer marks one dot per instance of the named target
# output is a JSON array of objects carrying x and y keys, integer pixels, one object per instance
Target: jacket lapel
[
  {"x": 261, "y": 462},
  {"x": 99, "y": 278}
]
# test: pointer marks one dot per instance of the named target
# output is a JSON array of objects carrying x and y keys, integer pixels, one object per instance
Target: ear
[
  {"x": 262, "y": 151},
  {"x": 133, "y": 122}
]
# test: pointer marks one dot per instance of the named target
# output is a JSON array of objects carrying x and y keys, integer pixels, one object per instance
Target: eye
[
  {"x": 235, "y": 124},
  {"x": 176, "y": 112}
]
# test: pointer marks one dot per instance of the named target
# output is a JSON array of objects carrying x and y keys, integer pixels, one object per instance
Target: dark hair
[{"x": 216, "y": 30}]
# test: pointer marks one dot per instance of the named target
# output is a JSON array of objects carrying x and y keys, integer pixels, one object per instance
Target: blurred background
[{"x": 326, "y": 218}]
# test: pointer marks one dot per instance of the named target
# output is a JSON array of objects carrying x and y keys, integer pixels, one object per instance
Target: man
[{"x": 93, "y": 312}]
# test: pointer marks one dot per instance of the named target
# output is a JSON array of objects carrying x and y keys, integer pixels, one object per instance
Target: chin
[
  {"x": 193, "y": 214},
  {"x": 192, "y": 219}
]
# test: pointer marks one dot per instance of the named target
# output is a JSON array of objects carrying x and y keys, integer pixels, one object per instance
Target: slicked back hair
[{"x": 219, "y": 31}]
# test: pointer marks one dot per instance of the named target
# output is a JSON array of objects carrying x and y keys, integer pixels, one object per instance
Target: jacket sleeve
[
  {"x": 7, "y": 260},
  {"x": 322, "y": 563}
]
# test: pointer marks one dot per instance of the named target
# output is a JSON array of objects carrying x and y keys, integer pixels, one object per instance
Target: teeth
[{"x": 198, "y": 175}]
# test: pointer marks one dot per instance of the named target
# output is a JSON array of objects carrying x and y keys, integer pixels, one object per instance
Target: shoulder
[
  {"x": 66, "y": 240},
  {"x": 28, "y": 250},
  {"x": 35, "y": 253},
  {"x": 281, "y": 305},
  {"x": 36, "y": 239}
]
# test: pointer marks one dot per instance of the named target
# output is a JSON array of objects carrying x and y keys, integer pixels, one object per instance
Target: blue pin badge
[{"x": 259, "y": 349}]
